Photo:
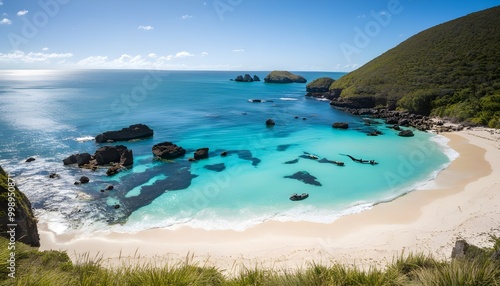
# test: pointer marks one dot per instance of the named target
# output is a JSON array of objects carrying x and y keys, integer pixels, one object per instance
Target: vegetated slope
[{"x": 450, "y": 70}]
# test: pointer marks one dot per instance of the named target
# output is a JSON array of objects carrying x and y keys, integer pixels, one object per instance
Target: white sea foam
[
  {"x": 84, "y": 139},
  {"x": 288, "y": 99}
]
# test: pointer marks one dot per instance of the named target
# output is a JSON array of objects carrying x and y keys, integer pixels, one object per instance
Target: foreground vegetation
[
  {"x": 33, "y": 267},
  {"x": 450, "y": 70}
]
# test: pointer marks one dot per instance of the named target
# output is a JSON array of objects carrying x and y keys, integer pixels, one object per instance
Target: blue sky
[{"x": 299, "y": 35}]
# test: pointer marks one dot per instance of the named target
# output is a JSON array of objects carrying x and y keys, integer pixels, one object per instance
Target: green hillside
[{"x": 450, "y": 70}]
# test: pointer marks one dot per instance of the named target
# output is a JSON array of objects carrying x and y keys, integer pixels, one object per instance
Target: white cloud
[
  {"x": 203, "y": 54},
  {"x": 238, "y": 51},
  {"x": 152, "y": 55},
  {"x": 5, "y": 21},
  {"x": 22, "y": 12},
  {"x": 93, "y": 61},
  {"x": 146, "y": 28},
  {"x": 183, "y": 54},
  {"x": 1, "y": 3},
  {"x": 186, "y": 17},
  {"x": 22, "y": 57},
  {"x": 383, "y": 13},
  {"x": 45, "y": 49}
]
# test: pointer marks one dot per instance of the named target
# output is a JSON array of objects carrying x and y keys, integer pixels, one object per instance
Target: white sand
[{"x": 465, "y": 204}]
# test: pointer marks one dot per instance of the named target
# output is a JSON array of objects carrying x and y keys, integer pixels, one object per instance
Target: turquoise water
[{"x": 52, "y": 114}]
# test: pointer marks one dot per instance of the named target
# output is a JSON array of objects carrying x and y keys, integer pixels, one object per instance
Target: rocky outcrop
[
  {"x": 270, "y": 122},
  {"x": 247, "y": 78},
  {"x": 353, "y": 103},
  {"x": 201, "y": 153},
  {"x": 406, "y": 133},
  {"x": 320, "y": 88},
  {"x": 284, "y": 77},
  {"x": 25, "y": 229},
  {"x": 118, "y": 156},
  {"x": 340, "y": 125},
  {"x": 137, "y": 131},
  {"x": 168, "y": 150},
  {"x": 30, "y": 159}
]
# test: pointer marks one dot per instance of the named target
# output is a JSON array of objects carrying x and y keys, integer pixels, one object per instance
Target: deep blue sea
[{"x": 50, "y": 115}]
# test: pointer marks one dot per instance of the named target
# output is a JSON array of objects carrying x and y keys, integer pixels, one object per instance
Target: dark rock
[
  {"x": 76, "y": 183},
  {"x": 256, "y": 78},
  {"x": 406, "y": 133},
  {"x": 201, "y": 153},
  {"x": 247, "y": 78},
  {"x": 270, "y": 122},
  {"x": 191, "y": 159},
  {"x": 54, "y": 176},
  {"x": 102, "y": 191},
  {"x": 396, "y": 127},
  {"x": 70, "y": 160},
  {"x": 84, "y": 179},
  {"x": 109, "y": 187},
  {"x": 283, "y": 77},
  {"x": 374, "y": 133},
  {"x": 404, "y": 122},
  {"x": 113, "y": 170},
  {"x": 168, "y": 150},
  {"x": 305, "y": 177},
  {"x": 30, "y": 159},
  {"x": 239, "y": 78},
  {"x": 127, "y": 158},
  {"x": 137, "y": 131},
  {"x": 340, "y": 125},
  {"x": 26, "y": 230},
  {"x": 256, "y": 100},
  {"x": 216, "y": 167},
  {"x": 292, "y": 161},
  {"x": 83, "y": 159},
  {"x": 107, "y": 155},
  {"x": 223, "y": 154},
  {"x": 117, "y": 206}
]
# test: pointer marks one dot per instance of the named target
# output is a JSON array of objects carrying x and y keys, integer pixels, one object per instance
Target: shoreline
[{"x": 462, "y": 205}]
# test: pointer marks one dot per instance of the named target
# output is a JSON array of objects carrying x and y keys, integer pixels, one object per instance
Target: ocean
[{"x": 50, "y": 115}]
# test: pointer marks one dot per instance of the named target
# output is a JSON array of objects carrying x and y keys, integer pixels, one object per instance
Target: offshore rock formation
[
  {"x": 284, "y": 77},
  {"x": 168, "y": 150},
  {"x": 117, "y": 156},
  {"x": 137, "y": 131},
  {"x": 26, "y": 230}
]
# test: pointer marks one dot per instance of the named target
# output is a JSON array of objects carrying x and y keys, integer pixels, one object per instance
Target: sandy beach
[{"x": 463, "y": 202}]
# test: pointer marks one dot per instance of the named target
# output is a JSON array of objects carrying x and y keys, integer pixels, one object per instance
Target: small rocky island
[
  {"x": 247, "y": 78},
  {"x": 320, "y": 88},
  {"x": 136, "y": 131},
  {"x": 284, "y": 77}
]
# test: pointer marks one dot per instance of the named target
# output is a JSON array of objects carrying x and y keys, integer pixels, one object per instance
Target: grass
[{"x": 34, "y": 267}]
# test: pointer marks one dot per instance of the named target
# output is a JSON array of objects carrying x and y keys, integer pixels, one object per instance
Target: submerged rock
[
  {"x": 216, "y": 167},
  {"x": 340, "y": 125},
  {"x": 30, "y": 159},
  {"x": 292, "y": 161},
  {"x": 137, "y": 131},
  {"x": 305, "y": 177}
]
